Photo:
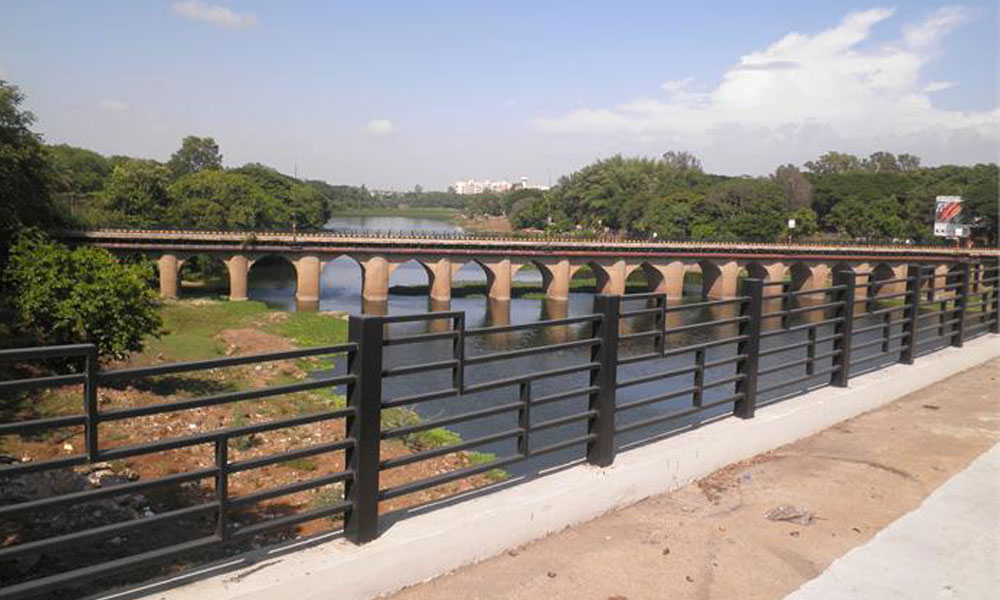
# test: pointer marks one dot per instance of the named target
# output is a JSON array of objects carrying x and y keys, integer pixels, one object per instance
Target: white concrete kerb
[{"x": 430, "y": 544}]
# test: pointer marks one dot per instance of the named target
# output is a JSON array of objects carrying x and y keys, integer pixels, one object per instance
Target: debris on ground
[{"x": 790, "y": 514}]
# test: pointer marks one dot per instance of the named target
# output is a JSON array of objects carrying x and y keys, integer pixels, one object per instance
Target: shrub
[{"x": 80, "y": 295}]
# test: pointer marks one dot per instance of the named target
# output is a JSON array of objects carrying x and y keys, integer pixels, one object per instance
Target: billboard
[{"x": 948, "y": 217}]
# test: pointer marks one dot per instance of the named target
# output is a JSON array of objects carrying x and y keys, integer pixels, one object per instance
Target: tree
[
  {"x": 834, "y": 162},
  {"x": 137, "y": 191},
  {"x": 80, "y": 295},
  {"x": 681, "y": 161},
  {"x": 881, "y": 162},
  {"x": 908, "y": 162},
  {"x": 26, "y": 184},
  {"x": 798, "y": 191},
  {"x": 195, "y": 154},
  {"x": 669, "y": 217}
]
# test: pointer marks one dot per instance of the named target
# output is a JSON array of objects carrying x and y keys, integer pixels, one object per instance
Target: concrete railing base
[{"x": 432, "y": 543}]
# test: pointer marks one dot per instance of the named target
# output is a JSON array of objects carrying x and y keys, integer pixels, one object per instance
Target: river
[{"x": 341, "y": 291}]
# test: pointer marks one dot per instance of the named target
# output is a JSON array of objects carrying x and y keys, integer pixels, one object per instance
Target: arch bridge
[{"x": 612, "y": 261}]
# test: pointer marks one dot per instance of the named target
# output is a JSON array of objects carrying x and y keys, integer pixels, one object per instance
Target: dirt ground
[{"x": 711, "y": 539}]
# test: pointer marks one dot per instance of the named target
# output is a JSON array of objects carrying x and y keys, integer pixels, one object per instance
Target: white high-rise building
[{"x": 473, "y": 186}]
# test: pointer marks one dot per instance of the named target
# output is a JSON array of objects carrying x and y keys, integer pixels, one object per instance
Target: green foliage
[
  {"x": 79, "y": 172},
  {"x": 80, "y": 295},
  {"x": 136, "y": 192},
  {"x": 26, "y": 175},
  {"x": 195, "y": 154}
]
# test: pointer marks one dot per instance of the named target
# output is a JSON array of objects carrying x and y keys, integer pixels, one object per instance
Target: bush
[{"x": 61, "y": 295}]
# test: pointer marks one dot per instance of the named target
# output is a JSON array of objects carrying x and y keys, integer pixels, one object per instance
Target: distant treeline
[{"x": 880, "y": 198}]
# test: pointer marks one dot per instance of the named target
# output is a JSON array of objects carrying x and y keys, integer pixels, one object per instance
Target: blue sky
[{"x": 398, "y": 94}]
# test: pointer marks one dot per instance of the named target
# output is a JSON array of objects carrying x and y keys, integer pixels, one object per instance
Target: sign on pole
[{"x": 947, "y": 217}]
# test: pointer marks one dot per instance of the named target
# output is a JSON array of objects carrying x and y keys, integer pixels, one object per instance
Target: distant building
[{"x": 472, "y": 186}]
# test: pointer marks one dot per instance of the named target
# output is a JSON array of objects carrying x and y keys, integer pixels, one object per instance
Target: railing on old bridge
[{"x": 838, "y": 332}]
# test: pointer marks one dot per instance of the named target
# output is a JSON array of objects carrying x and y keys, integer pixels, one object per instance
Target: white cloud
[
  {"x": 215, "y": 14},
  {"x": 380, "y": 127},
  {"x": 805, "y": 92},
  {"x": 114, "y": 105}
]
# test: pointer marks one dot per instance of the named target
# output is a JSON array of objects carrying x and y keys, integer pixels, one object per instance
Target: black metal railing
[{"x": 636, "y": 367}]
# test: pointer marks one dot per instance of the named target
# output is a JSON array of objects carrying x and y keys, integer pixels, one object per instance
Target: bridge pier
[
  {"x": 375, "y": 273},
  {"x": 239, "y": 269},
  {"x": 611, "y": 277},
  {"x": 666, "y": 279},
  {"x": 307, "y": 273},
  {"x": 556, "y": 276},
  {"x": 719, "y": 280},
  {"x": 169, "y": 269},
  {"x": 439, "y": 277},
  {"x": 498, "y": 279}
]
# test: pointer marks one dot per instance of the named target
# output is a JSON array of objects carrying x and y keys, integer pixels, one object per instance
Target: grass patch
[
  {"x": 311, "y": 328},
  {"x": 192, "y": 326}
]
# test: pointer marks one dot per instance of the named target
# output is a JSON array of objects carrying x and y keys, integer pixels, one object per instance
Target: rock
[
  {"x": 68, "y": 447},
  {"x": 790, "y": 514},
  {"x": 551, "y": 574},
  {"x": 7, "y": 459}
]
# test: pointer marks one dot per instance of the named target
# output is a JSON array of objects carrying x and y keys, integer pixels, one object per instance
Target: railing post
[
  {"x": 961, "y": 305},
  {"x": 364, "y": 427},
  {"x": 994, "y": 273},
  {"x": 753, "y": 308},
  {"x": 601, "y": 450},
  {"x": 844, "y": 326},
  {"x": 914, "y": 281},
  {"x": 90, "y": 404}
]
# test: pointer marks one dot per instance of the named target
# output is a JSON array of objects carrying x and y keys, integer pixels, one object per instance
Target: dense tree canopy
[
  {"x": 195, "y": 154},
  {"x": 79, "y": 295}
]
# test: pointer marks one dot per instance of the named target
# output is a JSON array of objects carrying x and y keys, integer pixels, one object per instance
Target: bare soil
[{"x": 712, "y": 538}]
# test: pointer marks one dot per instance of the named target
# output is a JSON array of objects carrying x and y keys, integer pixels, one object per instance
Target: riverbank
[
  {"x": 715, "y": 539},
  {"x": 414, "y": 212}
]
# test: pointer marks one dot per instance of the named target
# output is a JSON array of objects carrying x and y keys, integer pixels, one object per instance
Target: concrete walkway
[
  {"x": 853, "y": 482},
  {"x": 946, "y": 548}
]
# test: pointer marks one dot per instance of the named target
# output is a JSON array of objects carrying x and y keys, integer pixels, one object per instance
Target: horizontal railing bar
[
  {"x": 430, "y": 316},
  {"x": 507, "y": 355},
  {"x": 400, "y": 461},
  {"x": 212, "y": 436},
  {"x": 557, "y": 422},
  {"x": 114, "y": 529},
  {"x": 420, "y": 338},
  {"x": 498, "y": 383},
  {"x": 883, "y": 297},
  {"x": 63, "y": 462},
  {"x": 882, "y": 311},
  {"x": 797, "y": 363},
  {"x": 396, "y": 432},
  {"x": 291, "y": 488},
  {"x": 549, "y": 398},
  {"x": 814, "y": 375},
  {"x": 867, "y": 328},
  {"x": 273, "y": 459},
  {"x": 873, "y": 282},
  {"x": 725, "y": 380},
  {"x": 704, "y": 324},
  {"x": 51, "y": 381},
  {"x": 639, "y": 335},
  {"x": 643, "y": 296},
  {"x": 639, "y": 312},
  {"x": 796, "y": 293},
  {"x": 805, "y": 309},
  {"x": 96, "y": 494},
  {"x": 880, "y": 340},
  {"x": 227, "y": 361},
  {"x": 705, "y": 304},
  {"x": 563, "y": 444},
  {"x": 423, "y": 484},
  {"x": 415, "y": 398},
  {"x": 933, "y": 326},
  {"x": 627, "y": 360},
  {"x": 22, "y": 427},
  {"x": 676, "y": 414},
  {"x": 803, "y": 343},
  {"x": 420, "y": 368},
  {"x": 703, "y": 346},
  {"x": 11, "y": 354},
  {"x": 224, "y": 398},
  {"x": 724, "y": 361},
  {"x": 290, "y": 520},
  {"x": 801, "y": 327},
  {"x": 532, "y": 325},
  {"x": 52, "y": 582},
  {"x": 938, "y": 313},
  {"x": 657, "y": 376},
  {"x": 654, "y": 399}
]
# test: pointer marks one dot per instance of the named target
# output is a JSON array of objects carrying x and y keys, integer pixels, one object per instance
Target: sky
[{"x": 398, "y": 94}]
